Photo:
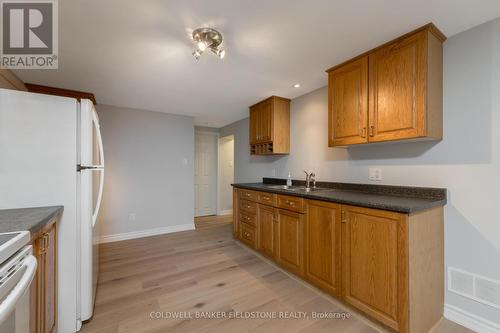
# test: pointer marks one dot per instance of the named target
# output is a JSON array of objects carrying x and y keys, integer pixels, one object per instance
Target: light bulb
[
  {"x": 222, "y": 54},
  {"x": 296, "y": 85},
  {"x": 197, "y": 54},
  {"x": 202, "y": 46}
]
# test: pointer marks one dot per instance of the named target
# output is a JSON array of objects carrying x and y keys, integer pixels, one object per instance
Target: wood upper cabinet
[
  {"x": 323, "y": 245},
  {"x": 375, "y": 264},
  {"x": 269, "y": 126},
  {"x": 397, "y": 90},
  {"x": 9, "y": 80},
  {"x": 290, "y": 241},
  {"x": 265, "y": 121},
  {"x": 348, "y": 103},
  {"x": 267, "y": 239},
  {"x": 394, "y": 92},
  {"x": 253, "y": 125}
]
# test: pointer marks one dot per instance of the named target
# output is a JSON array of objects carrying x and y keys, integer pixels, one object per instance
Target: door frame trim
[{"x": 221, "y": 211}]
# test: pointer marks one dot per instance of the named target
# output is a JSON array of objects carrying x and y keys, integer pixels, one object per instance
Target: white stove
[
  {"x": 11, "y": 242},
  {"x": 17, "y": 269}
]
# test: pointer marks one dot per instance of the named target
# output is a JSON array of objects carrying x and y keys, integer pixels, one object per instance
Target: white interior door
[{"x": 205, "y": 173}]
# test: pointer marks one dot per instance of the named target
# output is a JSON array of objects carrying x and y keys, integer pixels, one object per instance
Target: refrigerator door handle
[
  {"x": 99, "y": 197},
  {"x": 95, "y": 119},
  {"x": 80, "y": 167}
]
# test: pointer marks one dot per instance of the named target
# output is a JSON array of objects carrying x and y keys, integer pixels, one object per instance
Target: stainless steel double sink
[{"x": 302, "y": 189}]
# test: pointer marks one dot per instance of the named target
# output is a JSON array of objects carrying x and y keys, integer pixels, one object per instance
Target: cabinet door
[
  {"x": 375, "y": 264},
  {"x": 266, "y": 230},
  {"x": 253, "y": 124},
  {"x": 236, "y": 215},
  {"x": 38, "y": 280},
  {"x": 50, "y": 276},
  {"x": 397, "y": 86},
  {"x": 322, "y": 246},
  {"x": 348, "y": 104},
  {"x": 265, "y": 117},
  {"x": 290, "y": 241}
]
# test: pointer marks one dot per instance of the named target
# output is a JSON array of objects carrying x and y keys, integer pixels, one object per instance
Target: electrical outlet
[
  {"x": 274, "y": 172},
  {"x": 131, "y": 217},
  {"x": 375, "y": 174}
]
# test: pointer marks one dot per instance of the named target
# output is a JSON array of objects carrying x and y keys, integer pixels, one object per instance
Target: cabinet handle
[
  {"x": 363, "y": 132},
  {"x": 372, "y": 130},
  {"x": 42, "y": 245},
  {"x": 47, "y": 244},
  {"x": 342, "y": 217}
]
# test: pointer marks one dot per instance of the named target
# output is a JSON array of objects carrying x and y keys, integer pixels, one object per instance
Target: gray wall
[
  {"x": 467, "y": 161},
  {"x": 149, "y": 170}
]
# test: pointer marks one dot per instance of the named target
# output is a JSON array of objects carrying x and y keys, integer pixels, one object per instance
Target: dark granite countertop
[
  {"x": 30, "y": 219},
  {"x": 402, "y": 199}
]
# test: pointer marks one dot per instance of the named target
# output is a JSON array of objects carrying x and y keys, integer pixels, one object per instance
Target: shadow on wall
[
  {"x": 460, "y": 235},
  {"x": 265, "y": 158}
]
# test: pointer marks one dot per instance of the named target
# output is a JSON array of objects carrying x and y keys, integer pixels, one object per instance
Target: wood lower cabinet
[
  {"x": 267, "y": 238},
  {"x": 375, "y": 265},
  {"x": 248, "y": 235},
  {"x": 45, "y": 251},
  {"x": 394, "y": 92},
  {"x": 290, "y": 241},
  {"x": 323, "y": 246},
  {"x": 236, "y": 215},
  {"x": 388, "y": 265}
]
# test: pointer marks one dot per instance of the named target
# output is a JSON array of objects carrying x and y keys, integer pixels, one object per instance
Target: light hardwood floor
[{"x": 204, "y": 271}]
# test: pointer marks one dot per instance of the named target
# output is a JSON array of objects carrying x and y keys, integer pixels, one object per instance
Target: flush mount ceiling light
[
  {"x": 296, "y": 85},
  {"x": 208, "y": 39}
]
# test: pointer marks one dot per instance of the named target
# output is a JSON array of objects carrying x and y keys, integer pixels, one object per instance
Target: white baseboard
[
  {"x": 469, "y": 320},
  {"x": 145, "y": 233},
  {"x": 225, "y": 212}
]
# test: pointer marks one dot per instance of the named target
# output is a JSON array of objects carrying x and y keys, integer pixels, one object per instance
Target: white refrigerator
[{"x": 51, "y": 154}]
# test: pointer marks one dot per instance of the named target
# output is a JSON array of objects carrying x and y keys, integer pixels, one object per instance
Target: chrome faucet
[{"x": 310, "y": 178}]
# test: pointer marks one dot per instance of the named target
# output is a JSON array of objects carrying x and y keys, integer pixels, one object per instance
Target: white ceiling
[{"x": 137, "y": 54}]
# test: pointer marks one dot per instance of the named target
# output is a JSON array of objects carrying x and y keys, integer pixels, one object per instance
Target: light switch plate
[{"x": 375, "y": 174}]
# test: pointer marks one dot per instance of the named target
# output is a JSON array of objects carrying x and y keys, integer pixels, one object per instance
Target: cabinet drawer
[
  {"x": 248, "y": 219},
  {"x": 248, "y": 195},
  {"x": 248, "y": 206},
  {"x": 291, "y": 203},
  {"x": 267, "y": 198},
  {"x": 247, "y": 235}
]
